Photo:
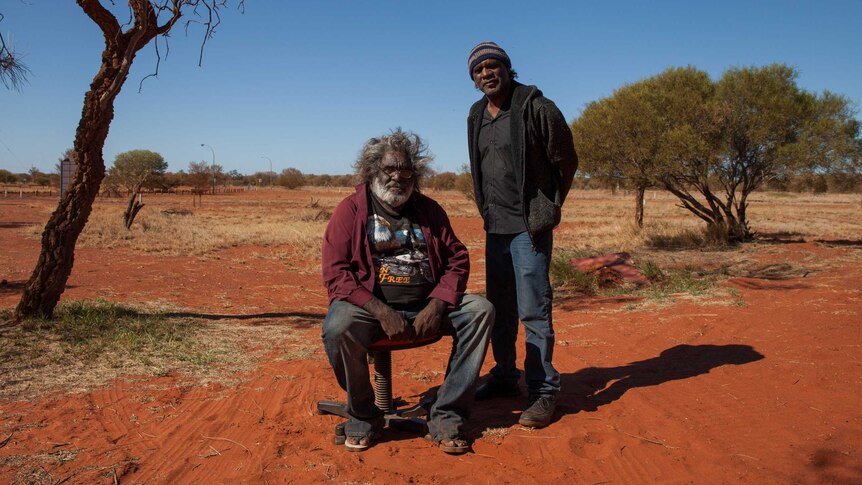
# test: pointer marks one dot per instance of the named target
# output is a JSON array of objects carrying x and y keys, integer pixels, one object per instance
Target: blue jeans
[
  {"x": 519, "y": 287},
  {"x": 349, "y": 330}
]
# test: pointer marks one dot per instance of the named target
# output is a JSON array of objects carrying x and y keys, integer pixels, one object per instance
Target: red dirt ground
[{"x": 766, "y": 392}]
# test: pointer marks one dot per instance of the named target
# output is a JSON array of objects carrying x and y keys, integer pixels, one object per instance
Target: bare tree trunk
[
  {"x": 639, "y": 206},
  {"x": 135, "y": 205},
  {"x": 54, "y": 266},
  {"x": 48, "y": 281}
]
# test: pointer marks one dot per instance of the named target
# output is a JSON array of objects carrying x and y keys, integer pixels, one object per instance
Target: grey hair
[{"x": 368, "y": 164}]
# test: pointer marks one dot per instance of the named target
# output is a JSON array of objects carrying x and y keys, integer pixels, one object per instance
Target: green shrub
[{"x": 650, "y": 270}]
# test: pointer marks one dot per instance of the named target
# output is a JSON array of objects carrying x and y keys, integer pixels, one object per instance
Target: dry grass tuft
[
  {"x": 426, "y": 376},
  {"x": 200, "y": 233},
  {"x": 495, "y": 435}
]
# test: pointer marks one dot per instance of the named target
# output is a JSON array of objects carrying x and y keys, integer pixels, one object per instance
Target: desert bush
[
  {"x": 291, "y": 178},
  {"x": 441, "y": 181},
  {"x": 682, "y": 239},
  {"x": 464, "y": 183},
  {"x": 650, "y": 269},
  {"x": 7, "y": 177}
]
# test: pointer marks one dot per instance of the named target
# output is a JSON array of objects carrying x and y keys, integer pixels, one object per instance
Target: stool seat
[
  {"x": 385, "y": 344},
  {"x": 380, "y": 354}
]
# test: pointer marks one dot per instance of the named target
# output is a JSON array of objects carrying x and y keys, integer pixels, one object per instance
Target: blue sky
[{"x": 307, "y": 83}]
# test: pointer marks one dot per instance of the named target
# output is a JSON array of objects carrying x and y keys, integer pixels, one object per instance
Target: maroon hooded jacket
[{"x": 348, "y": 271}]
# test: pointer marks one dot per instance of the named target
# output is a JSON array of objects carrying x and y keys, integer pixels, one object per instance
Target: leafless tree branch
[{"x": 13, "y": 72}]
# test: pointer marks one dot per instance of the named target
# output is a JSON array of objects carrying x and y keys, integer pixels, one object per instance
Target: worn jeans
[
  {"x": 519, "y": 288},
  {"x": 349, "y": 330}
]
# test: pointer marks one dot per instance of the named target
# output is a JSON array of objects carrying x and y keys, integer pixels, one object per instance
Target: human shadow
[
  {"x": 596, "y": 386},
  {"x": 592, "y": 387}
]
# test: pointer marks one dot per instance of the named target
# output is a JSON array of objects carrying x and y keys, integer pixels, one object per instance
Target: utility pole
[{"x": 213, "y": 165}]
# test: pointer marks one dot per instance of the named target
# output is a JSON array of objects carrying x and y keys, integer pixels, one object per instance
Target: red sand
[{"x": 768, "y": 392}]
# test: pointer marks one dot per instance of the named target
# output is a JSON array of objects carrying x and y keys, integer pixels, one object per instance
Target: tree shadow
[
  {"x": 756, "y": 284},
  {"x": 302, "y": 319},
  {"x": 780, "y": 237},
  {"x": 590, "y": 388},
  {"x": 833, "y": 466},
  {"x": 15, "y": 225},
  {"x": 585, "y": 302},
  {"x": 11, "y": 287},
  {"x": 841, "y": 242}
]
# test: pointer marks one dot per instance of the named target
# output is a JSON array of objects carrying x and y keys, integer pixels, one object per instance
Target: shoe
[
  {"x": 451, "y": 446},
  {"x": 540, "y": 412},
  {"x": 495, "y": 387},
  {"x": 360, "y": 443}
]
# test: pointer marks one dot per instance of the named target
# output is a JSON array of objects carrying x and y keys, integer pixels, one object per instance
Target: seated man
[{"x": 393, "y": 267}]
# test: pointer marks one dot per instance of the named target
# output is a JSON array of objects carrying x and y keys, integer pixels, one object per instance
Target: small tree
[
  {"x": 464, "y": 182},
  {"x": 132, "y": 170},
  {"x": 200, "y": 175},
  {"x": 711, "y": 144},
  {"x": 619, "y": 139},
  {"x": 756, "y": 125},
  {"x": 39, "y": 177},
  {"x": 7, "y": 177},
  {"x": 291, "y": 178},
  {"x": 135, "y": 168}
]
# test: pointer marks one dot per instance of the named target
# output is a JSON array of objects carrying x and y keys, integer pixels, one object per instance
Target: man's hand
[
  {"x": 393, "y": 323},
  {"x": 430, "y": 319}
]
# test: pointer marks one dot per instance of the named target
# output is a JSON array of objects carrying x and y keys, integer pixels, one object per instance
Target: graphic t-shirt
[{"x": 400, "y": 258}]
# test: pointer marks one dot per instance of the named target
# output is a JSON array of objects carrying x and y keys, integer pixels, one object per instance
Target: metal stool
[{"x": 408, "y": 419}]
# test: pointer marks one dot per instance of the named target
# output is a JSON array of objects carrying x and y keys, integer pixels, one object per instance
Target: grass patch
[
  {"x": 686, "y": 280},
  {"x": 91, "y": 342},
  {"x": 92, "y": 328}
]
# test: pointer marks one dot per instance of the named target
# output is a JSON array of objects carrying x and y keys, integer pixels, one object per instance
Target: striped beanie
[{"x": 487, "y": 50}]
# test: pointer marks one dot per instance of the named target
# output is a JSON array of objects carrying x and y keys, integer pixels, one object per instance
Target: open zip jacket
[
  {"x": 348, "y": 270},
  {"x": 543, "y": 152}
]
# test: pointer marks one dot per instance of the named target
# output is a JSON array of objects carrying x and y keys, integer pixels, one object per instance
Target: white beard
[{"x": 391, "y": 197}]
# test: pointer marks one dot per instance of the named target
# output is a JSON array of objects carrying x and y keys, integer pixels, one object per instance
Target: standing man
[
  {"x": 523, "y": 160},
  {"x": 393, "y": 267}
]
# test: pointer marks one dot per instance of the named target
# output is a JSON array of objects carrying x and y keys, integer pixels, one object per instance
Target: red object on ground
[{"x": 612, "y": 269}]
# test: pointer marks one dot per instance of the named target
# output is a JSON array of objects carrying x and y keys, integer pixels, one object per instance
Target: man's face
[
  {"x": 394, "y": 184},
  {"x": 492, "y": 78}
]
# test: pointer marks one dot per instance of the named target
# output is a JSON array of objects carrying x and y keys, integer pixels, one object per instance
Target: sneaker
[
  {"x": 540, "y": 412},
  {"x": 494, "y": 387}
]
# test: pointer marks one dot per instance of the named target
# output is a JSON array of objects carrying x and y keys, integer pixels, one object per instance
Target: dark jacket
[
  {"x": 348, "y": 271},
  {"x": 543, "y": 153}
]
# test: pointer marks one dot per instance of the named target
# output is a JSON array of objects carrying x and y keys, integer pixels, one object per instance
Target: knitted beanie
[{"x": 487, "y": 50}]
